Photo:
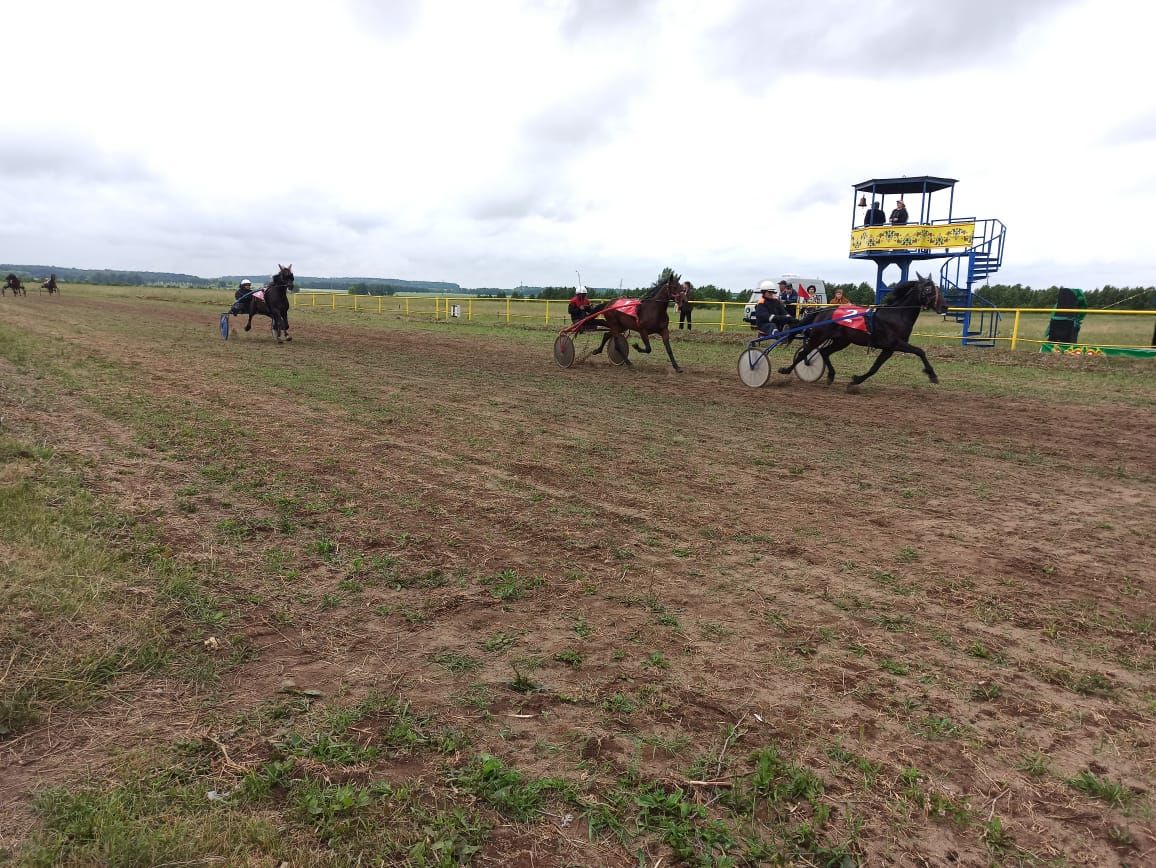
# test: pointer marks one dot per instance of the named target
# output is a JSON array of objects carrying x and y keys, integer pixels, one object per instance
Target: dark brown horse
[
  {"x": 648, "y": 318},
  {"x": 273, "y": 302},
  {"x": 13, "y": 283},
  {"x": 50, "y": 286},
  {"x": 888, "y": 328}
]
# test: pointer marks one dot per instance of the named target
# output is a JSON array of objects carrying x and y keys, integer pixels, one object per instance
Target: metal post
[
  {"x": 355, "y": 303},
  {"x": 722, "y": 320},
  {"x": 470, "y": 310},
  {"x": 547, "y": 311},
  {"x": 333, "y": 301},
  {"x": 313, "y": 300},
  {"x": 1015, "y": 329},
  {"x": 507, "y": 309},
  {"x": 380, "y": 299},
  {"x": 407, "y": 305}
]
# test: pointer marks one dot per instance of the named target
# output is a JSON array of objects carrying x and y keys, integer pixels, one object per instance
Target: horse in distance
[{"x": 14, "y": 283}]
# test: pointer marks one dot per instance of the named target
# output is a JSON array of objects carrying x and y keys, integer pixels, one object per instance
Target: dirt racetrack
[{"x": 691, "y": 621}]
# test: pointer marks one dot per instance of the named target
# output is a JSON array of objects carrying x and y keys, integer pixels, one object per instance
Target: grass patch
[
  {"x": 499, "y": 641},
  {"x": 1106, "y": 790},
  {"x": 87, "y": 596},
  {"x": 457, "y": 664},
  {"x": 569, "y": 657},
  {"x": 505, "y": 789},
  {"x": 509, "y": 585}
]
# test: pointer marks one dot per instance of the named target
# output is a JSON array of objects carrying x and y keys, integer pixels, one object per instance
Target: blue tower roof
[{"x": 906, "y": 186}]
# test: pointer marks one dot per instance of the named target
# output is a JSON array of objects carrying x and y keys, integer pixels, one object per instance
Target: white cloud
[{"x": 513, "y": 141}]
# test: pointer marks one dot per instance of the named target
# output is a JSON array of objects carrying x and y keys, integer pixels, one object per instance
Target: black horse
[
  {"x": 650, "y": 316},
  {"x": 888, "y": 329},
  {"x": 273, "y": 302},
  {"x": 50, "y": 286},
  {"x": 13, "y": 283}
]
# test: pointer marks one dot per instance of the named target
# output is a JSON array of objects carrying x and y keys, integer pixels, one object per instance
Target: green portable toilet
[{"x": 1064, "y": 328}]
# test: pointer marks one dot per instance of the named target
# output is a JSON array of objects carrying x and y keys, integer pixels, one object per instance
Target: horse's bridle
[{"x": 935, "y": 298}]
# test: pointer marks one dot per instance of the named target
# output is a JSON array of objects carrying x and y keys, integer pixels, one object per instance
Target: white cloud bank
[{"x": 514, "y": 141}]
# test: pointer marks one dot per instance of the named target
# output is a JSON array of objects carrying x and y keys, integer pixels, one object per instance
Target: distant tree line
[
  {"x": 706, "y": 292},
  {"x": 1120, "y": 297},
  {"x": 376, "y": 285},
  {"x": 999, "y": 294},
  {"x": 106, "y": 277},
  {"x": 363, "y": 288}
]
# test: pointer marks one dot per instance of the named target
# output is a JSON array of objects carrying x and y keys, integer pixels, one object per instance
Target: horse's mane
[
  {"x": 901, "y": 292},
  {"x": 667, "y": 277}
]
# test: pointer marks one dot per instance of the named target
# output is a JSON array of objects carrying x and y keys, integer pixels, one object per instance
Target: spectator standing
[
  {"x": 875, "y": 216},
  {"x": 789, "y": 297},
  {"x": 840, "y": 298},
  {"x": 899, "y": 214},
  {"x": 684, "y": 306}
]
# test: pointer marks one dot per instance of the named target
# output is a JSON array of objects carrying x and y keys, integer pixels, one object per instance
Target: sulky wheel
[
  {"x": 225, "y": 326},
  {"x": 618, "y": 350},
  {"x": 810, "y": 368},
  {"x": 564, "y": 351},
  {"x": 754, "y": 368}
]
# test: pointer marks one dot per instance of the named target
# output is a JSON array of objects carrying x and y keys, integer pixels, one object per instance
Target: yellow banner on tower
[{"x": 912, "y": 236}]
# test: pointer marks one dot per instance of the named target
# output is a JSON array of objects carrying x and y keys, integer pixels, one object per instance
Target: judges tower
[{"x": 971, "y": 246}]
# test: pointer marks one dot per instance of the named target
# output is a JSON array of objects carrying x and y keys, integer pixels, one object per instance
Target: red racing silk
[
  {"x": 628, "y": 306},
  {"x": 851, "y": 316}
]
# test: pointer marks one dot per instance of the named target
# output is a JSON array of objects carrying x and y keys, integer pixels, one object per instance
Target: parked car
[{"x": 811, "y": 285}]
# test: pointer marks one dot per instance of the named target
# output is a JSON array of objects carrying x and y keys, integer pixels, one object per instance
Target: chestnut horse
[{"x": 648, "y": 318}]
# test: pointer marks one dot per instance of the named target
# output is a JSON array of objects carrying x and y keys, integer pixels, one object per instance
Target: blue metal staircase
[{"x": 960, "y": 274}]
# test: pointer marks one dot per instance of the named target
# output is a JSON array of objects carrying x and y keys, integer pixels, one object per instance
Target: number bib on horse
[
  {"x": 851, "y": 316},
  {"x": 626, "y": 306}
]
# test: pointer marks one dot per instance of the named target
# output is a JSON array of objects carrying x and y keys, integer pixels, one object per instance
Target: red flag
[{"x": 803, "y": 294}]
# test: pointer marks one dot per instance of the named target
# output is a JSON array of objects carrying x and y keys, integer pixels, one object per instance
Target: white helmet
[
  {"x": 246, "y": 282},
  {"x": 768, "y": 284}
]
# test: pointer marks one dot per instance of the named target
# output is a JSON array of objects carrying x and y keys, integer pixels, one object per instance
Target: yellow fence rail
[{"x": 1027, "y": 326}]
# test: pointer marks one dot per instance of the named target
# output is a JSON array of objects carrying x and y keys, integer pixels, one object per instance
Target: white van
[{"x": 812, "y": 285}]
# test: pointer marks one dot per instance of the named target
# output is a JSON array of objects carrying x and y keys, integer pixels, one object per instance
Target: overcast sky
[{"x": 508, "y": 141}]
